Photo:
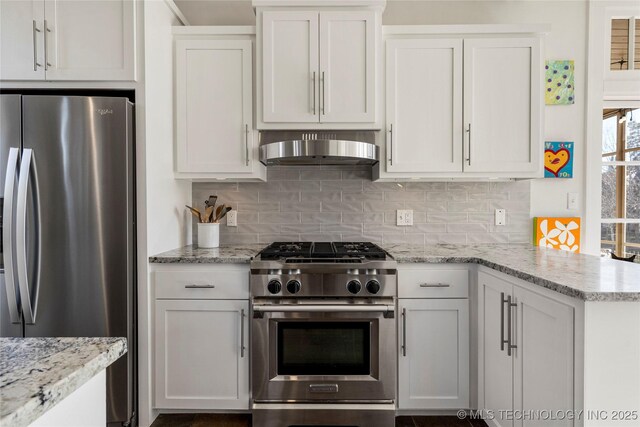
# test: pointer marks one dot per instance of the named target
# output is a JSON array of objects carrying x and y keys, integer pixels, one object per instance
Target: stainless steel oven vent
[{"x": 297, "y": 148}]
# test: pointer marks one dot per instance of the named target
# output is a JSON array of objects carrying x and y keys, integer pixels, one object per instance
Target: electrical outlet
[
  {"x": 404, "y": 217},
  {"x": 572, "y": 201},
  {"x": 232, "y": 218},
  {"x": 501, "y": 217}
]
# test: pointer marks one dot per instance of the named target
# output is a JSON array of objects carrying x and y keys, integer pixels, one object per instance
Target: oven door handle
[{"x": 370, "y": 308}]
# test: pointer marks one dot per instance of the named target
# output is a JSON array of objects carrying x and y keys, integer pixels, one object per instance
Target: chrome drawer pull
[
  {"x": 199, "y": 286},
  {"x": 434, "y": 285}
]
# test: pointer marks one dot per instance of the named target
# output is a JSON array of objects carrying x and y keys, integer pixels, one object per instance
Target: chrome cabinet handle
[
  {"x": 468, "y": 130},
  {"x": 503, "y": 301},
  {"x": 28, "y": 300},
  {"x": 7, "y": 242},
  {"x": 246, "y": 143},
  {"x": 46, "y": 50},
  {"x": 323, "y": 95},
  {"x": 510, "y": 344},
  {"x": 313, "y": 84},
  {"x": 242, "y": 348},
  {"x": 35, "y": 47},
  {"x": 199, "y": 286},
  {"x": 435, "y": 285},
  {"x": 404, "y": 332},
  {"x": 391, "y": 144}
]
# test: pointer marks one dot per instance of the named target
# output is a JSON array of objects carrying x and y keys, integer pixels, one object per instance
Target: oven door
[{"x": 323, "y": 352}]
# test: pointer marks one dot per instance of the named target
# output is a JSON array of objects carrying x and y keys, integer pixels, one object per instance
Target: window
[
  {"x": 625, "y": 44},
  {"x": 620, "y": 228}
]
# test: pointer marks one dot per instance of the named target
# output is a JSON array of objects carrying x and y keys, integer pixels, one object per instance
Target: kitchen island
[{"x": 45, "y": 380}]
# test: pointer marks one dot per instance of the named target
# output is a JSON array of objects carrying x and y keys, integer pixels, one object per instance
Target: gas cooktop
[{"x": 323, "y": 251}]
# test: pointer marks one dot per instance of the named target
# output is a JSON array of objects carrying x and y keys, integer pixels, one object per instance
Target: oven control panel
[{"x": 327, "y": 285}]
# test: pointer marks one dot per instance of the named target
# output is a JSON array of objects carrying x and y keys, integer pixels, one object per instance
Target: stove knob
[
  {"x": 354, "y": 286},
  {"x": 274, "y": 286},
  {"x": 373, "y": 286},
  {"x": 293, "y": 286}
]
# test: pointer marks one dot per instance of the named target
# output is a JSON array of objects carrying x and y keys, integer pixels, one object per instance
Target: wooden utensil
[
  {"x": 224, "y": 213},
  {"x": 207, "y": 214},
  {"x": 195, "y": 213},
  {"x": 218, "y": 212}
]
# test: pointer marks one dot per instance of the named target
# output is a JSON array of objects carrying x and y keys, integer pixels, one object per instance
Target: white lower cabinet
[
  {"x": 433, "y": 370},
  {"x": 201, "y": 357},
  {"x": 433, "y": 335},
  {"x": 538, "y": 374},
  {"x": 201, "y": 338}
]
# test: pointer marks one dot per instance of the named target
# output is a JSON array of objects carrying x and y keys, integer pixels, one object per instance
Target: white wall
[
  {"x": 567, "y": 40},
  {"x": 166, "y": 222}
]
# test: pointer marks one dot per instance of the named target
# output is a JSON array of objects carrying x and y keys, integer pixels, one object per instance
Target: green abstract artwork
[{"x": 559, "y": 85}]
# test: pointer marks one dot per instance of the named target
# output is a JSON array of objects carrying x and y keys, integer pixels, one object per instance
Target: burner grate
[{"x": 333, "y": 252}]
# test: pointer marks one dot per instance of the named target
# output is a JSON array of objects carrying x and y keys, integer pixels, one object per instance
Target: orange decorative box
[{"x": 557, "y": 233}]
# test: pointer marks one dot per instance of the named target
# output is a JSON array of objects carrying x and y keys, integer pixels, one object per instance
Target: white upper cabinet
[
  {"x": 502, "y": 103},
  {"x": 318, "y": 68},
  {"x": 90, "y": 40},
  {"x": 464, "y": 106},
  {"x": 290, "y": 67},
  {"x": 21, "y": 41},
  {"x": 68, "y": 40},
  {"x": 214, "y": 109},
  {"x": 424, "y": 105},
  {"x": 347, "y": 67}
]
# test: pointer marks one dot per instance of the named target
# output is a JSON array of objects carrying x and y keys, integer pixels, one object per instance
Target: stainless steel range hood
[{"x": 296, "y": 148}]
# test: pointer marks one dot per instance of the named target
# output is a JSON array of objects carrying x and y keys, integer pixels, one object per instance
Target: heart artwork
[{"x": 554, "y": 161}]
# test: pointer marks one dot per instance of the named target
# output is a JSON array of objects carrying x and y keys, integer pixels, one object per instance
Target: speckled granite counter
[
  {"x": 195, "y": 255},
  {"x": 580, "y": 276},
  {"x": 37, "y": 373}
]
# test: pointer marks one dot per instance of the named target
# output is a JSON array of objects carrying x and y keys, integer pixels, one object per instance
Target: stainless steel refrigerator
[{"x": 68, "y": 226}]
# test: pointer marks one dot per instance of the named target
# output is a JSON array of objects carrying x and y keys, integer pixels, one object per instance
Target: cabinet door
[
  {"x": 200, "y": 361},
  {"x": 214, "y": 111},
  {"x": 496, "y": 366},
  {"x": 21, "y": 40},
  {"x": 90, "y": 40},
  {"x": 502, "y": 105},
  {"x": 544, "y": 365},
  {"x": 347, "y": 67},
  {"x": 290, "y": 77},
  {"x": 424, "y": 105},
  {"x": 433, "y": 371}
]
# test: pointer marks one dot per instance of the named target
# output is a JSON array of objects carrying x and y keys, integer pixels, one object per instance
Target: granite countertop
[
  {"x": 586, "y": 277},
  {"x": 38, "y": 373},
  {"x": 194, "y": 255}
]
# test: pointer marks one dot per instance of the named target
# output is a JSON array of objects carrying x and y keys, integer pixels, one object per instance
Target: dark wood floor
[{"x": 210, "y": 420}]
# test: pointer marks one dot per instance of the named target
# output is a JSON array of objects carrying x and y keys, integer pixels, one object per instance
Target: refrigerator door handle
[
  {"x": 29, "y": 301},
  {"x": 7, "y": 235}
]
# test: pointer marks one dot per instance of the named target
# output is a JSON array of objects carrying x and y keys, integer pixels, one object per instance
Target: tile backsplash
[{"x": 341, "y": 203}]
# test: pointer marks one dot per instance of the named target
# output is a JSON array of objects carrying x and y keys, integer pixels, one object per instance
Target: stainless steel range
[{"x": 323, "y": 335}]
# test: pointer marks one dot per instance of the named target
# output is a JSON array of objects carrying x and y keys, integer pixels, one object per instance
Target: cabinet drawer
[
  {"x": 433, "y": 283},
  {"x": 215, "y": 284}
]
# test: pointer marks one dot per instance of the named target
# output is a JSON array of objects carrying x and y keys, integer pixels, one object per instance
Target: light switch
[
  {"x": 572, "y": 201},
  {"x": 232, "y": 218},
  {"x": 501, "y": 217}
]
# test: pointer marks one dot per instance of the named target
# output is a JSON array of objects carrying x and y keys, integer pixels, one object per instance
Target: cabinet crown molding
[{"x": 320, "y": 3}]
